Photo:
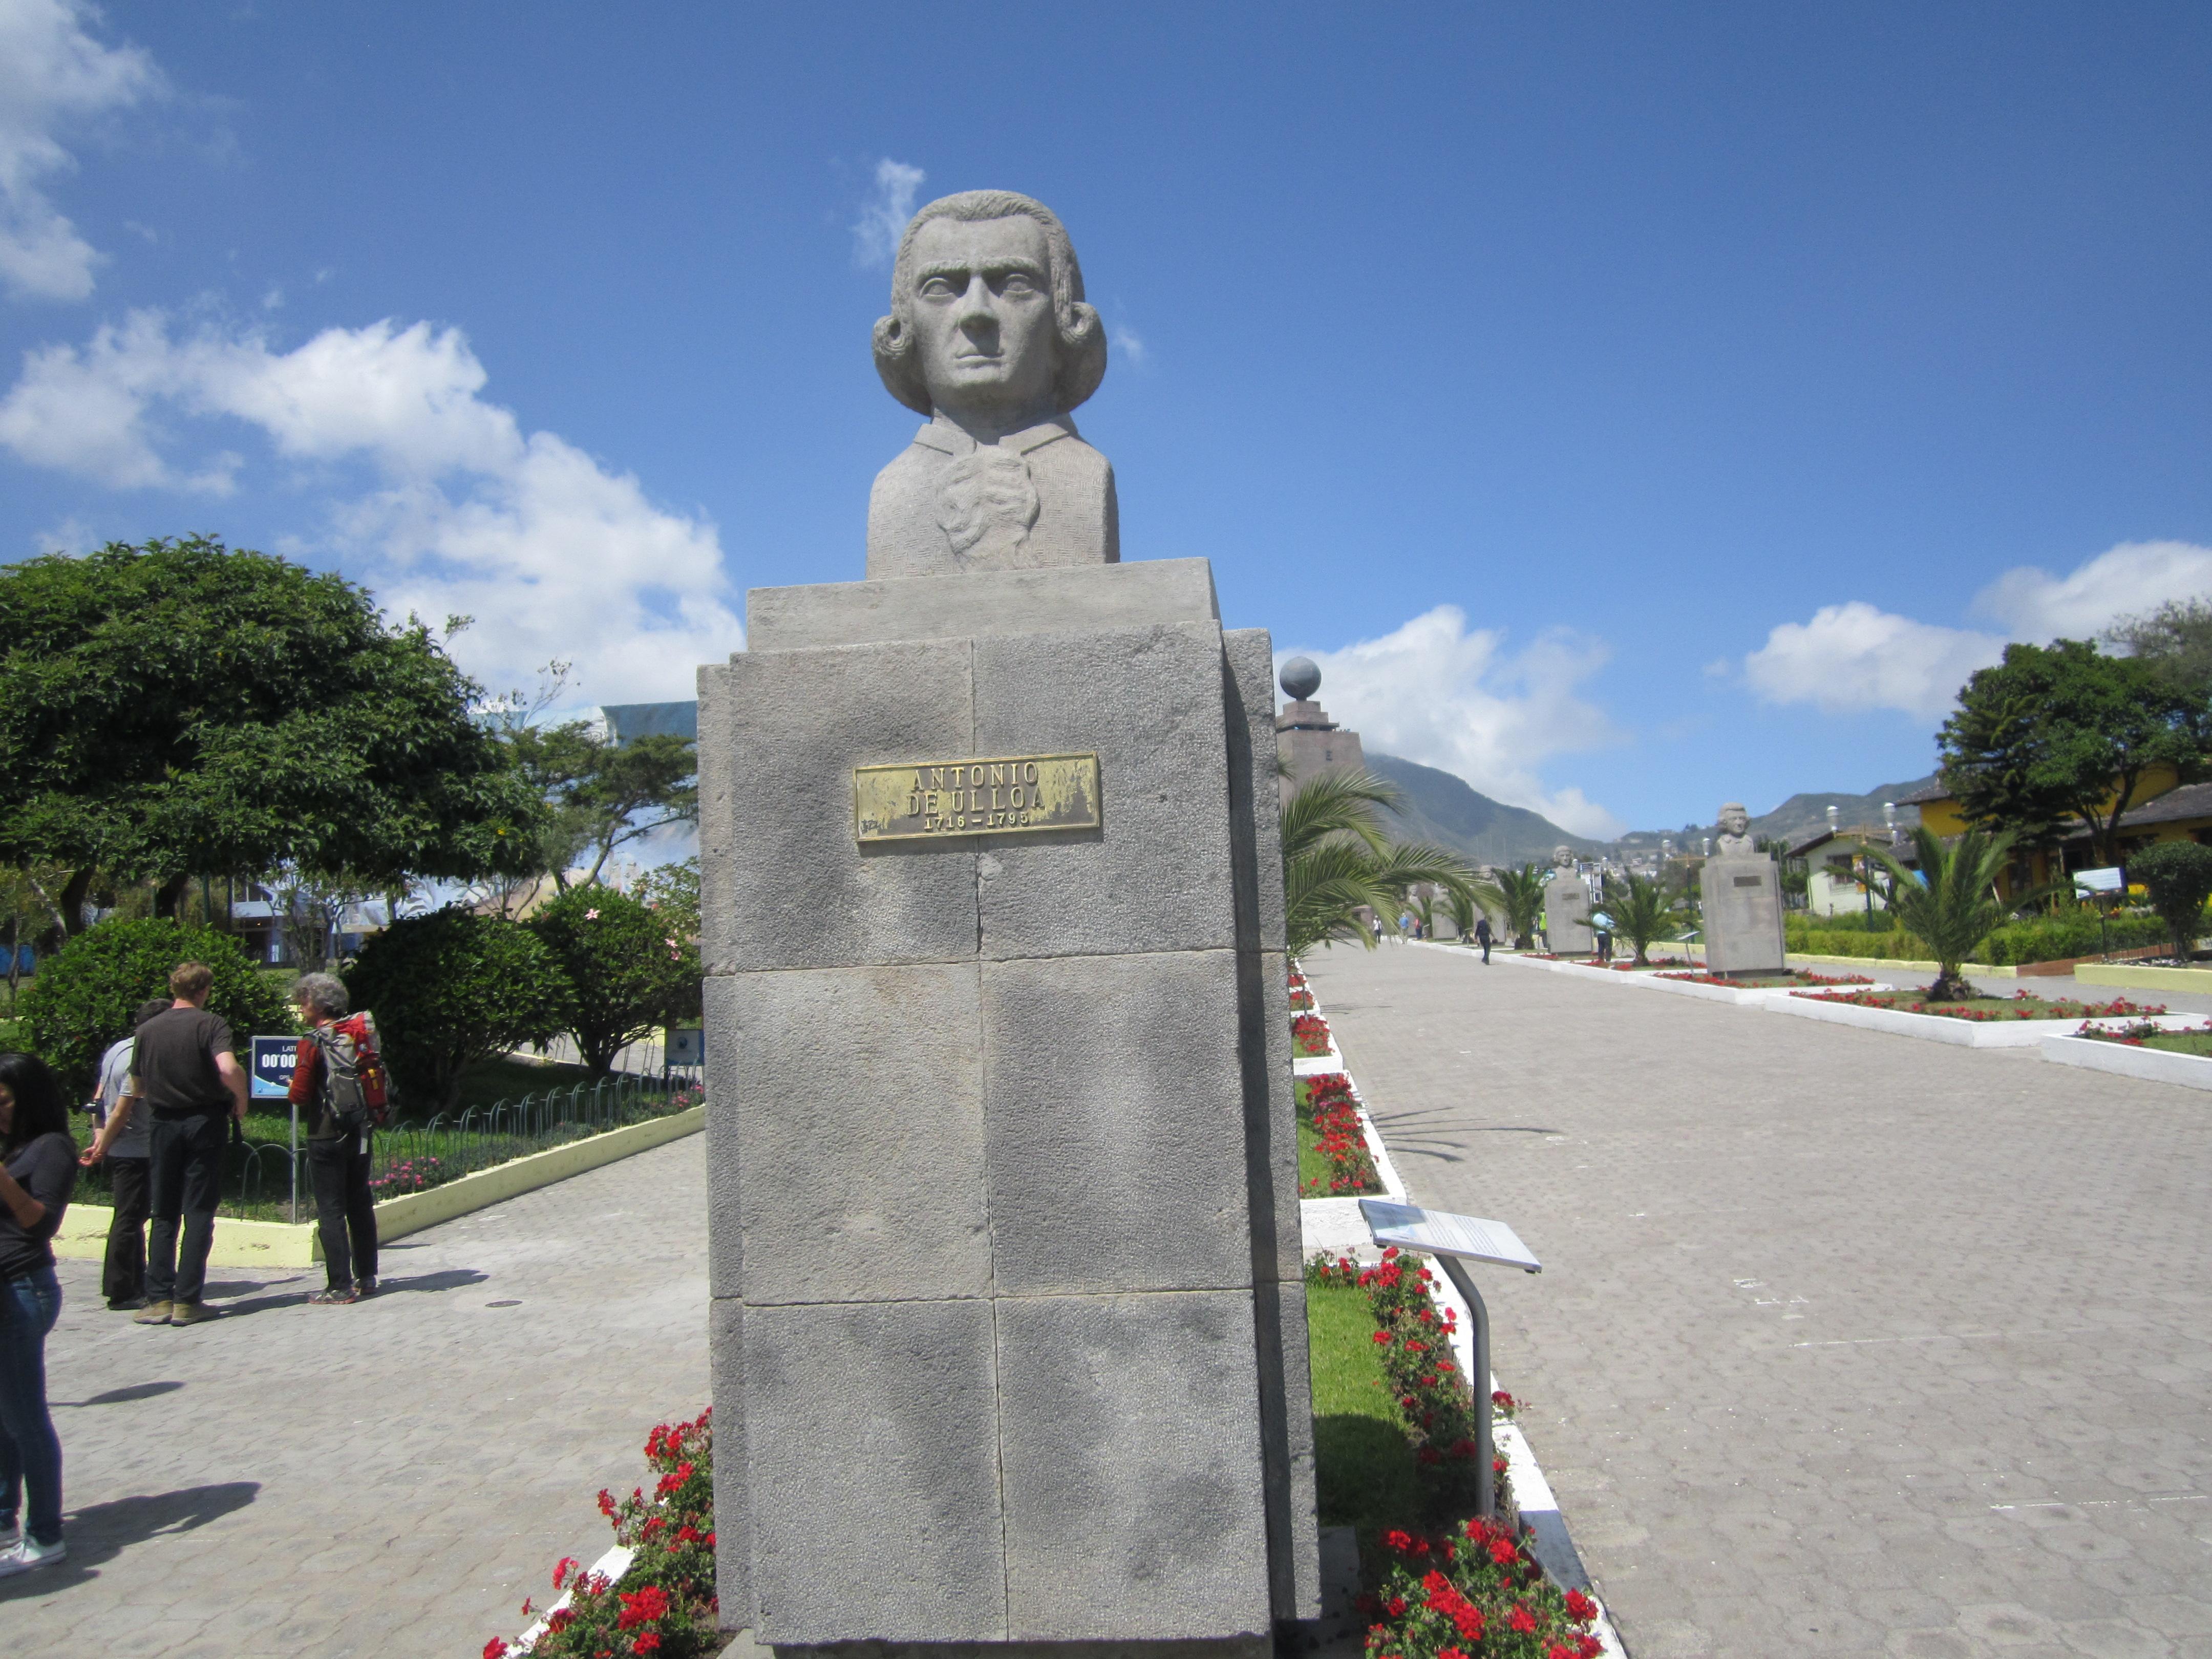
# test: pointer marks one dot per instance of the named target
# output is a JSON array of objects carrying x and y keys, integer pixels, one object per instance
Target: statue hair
[{"x": 1082, "y": 334}]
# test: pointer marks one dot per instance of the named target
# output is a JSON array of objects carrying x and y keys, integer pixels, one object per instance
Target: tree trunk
[
  {"x": 1950, "y": 986},
  {"x": 169, "y": 896},
  {"x": 74, "y": 894}
]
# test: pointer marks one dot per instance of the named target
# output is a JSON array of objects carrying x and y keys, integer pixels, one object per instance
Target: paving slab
[
  {"x": 1845, "y": 1344},
  {"x": 388, "y": 1479}
]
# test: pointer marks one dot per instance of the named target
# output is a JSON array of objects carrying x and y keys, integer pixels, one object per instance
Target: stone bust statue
[
  {"x": 1734, "y": 840},
  {"x": 1563, "y": 858},
  {"x": 989, "y": 338}
]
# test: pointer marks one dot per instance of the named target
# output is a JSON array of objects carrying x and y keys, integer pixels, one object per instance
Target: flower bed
[
  {"x": 1774, "y": 982},
  {"x": 2023, "y": 1005},
  {"x": 1301, "y": 993},
  {"x": 414, "y": 1175},
  {"x": 2187, "y": 1040},
  {"x": 1333, "y": 1139},
  {"x": 1310, "y": 1036},
  {"x": 1443, "y": 1584},
  {"x": 669, "y": 1608}
]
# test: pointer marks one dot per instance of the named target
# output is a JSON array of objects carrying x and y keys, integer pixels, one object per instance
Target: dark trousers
[
  {"x": 1485, "y": 942},
  {"x": 345, "y": 1214},
  {"x": 123, "y": 1278},
  {"x": 186, "y": 1176}
]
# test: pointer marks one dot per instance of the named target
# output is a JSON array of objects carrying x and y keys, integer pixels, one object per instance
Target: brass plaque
[{"x": 925, "y": 800}]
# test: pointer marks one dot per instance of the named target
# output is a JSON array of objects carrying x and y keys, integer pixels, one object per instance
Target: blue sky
[{"x": 1633, "y": 408}]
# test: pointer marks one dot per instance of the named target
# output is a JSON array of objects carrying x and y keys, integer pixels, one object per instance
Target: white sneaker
[{"x": 29, "y": 1555}]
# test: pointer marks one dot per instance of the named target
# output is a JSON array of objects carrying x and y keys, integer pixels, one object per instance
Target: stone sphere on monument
[
  {"x": 988, "y": 336},
  {"x": 1301, "y": 679}
]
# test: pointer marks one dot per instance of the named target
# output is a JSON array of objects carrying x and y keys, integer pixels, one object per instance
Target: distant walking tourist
[
  {"x": 186, "y": 1073},
  {"x": 37, "y": 1170},
  {"x": 125, "y": 1144},
  {"x": 338, "y": 1085},
  {"x": 1482, "y": 936}
]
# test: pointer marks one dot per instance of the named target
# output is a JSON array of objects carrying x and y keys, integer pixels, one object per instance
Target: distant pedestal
[
  {"x": 1565, "y": 900},
  {"x": 1743, "y": 916}
]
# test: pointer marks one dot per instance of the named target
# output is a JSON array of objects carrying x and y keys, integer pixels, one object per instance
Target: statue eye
[
  {"x": 936, "y": 288},
  {"x": 1018, "y": 282}
]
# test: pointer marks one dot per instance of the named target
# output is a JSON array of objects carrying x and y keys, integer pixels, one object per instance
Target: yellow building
[{"x": 2162, "y": 808}]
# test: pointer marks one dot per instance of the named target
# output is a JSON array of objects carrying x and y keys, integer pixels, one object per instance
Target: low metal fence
[{"x": 408, "y": 1156}]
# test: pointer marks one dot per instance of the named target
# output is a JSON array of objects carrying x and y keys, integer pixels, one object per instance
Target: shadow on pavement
[
  {"x": 99, "y": 1532},
  {"x": 450, "y": 1279},
  {"x": 120, "y": 1396}
]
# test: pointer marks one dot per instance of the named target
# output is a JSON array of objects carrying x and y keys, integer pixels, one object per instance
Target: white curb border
[
  {"x": 2151, "y": 1065},
  {"x": 1334, "y": 1227}
]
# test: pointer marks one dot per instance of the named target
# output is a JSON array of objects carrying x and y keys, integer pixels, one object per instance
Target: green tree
[
  {"x": 452, "y": 988},
  {"x": 179, "y": 708},
  {"x": 1517, "y": 896},
  {"x": 2177, "y": 875},
  {"x": 1951, "y": 903},
  {"x": 603, "y": 795},
  {"x": 2175, "y": 640},
  {"x": 630, "y": 970},
  {"x": 83, "y": 995},
  {"x": 1336, "y": 859},
  {"x": 2062, "y": 730},
  {"x": 1643, "y": 911}
]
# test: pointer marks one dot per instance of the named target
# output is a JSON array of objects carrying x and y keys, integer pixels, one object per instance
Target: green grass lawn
[
  {"x": 1364, "y": 1470},
  {"x": 2181, "y": 1042}
]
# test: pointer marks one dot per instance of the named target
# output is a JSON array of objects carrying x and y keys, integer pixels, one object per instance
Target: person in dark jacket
[
  {"x": 1482, "y": 936},
  {"x": 337, "y": 1152},
  {"x": 38, "y": 1172}
]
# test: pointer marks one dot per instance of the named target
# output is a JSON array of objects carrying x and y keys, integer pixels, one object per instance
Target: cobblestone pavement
[
  {"x": 1845, "y": 1343},
  {"x": 389, "y": 1479}
]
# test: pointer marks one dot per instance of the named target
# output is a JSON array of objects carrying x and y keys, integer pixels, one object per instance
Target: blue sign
[
  {"x": 687, "y": 1046},
  {"x": 274, "y": 1058}
]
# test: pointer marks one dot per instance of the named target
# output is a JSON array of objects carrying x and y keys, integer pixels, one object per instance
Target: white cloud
[
  {"x": 883, "y": 218},
  {"x": 2032, "y": 604},
  {"x": 553, "y": 555},
  {"x": 52, "y": 72},
  {"x": 1854, "y": 656},
  {"x": 1435, "y": 693},
  {"x": 1129, "y": 343}
]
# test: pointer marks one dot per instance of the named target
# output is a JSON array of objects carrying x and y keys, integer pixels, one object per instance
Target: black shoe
[
  {"x": 125, "y": 1304},
  {"x": 365, "y": 1286},
  {"x": 342, "y": 1296}
]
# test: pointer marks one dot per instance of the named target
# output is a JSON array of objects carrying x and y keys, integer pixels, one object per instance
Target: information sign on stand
[
  {"x": 1454, "y": 1240},
  {"x": 273, "y": 1060}
]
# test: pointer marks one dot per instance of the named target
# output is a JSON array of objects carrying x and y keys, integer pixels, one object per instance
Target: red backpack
[{"x": 353, "y": 1082}]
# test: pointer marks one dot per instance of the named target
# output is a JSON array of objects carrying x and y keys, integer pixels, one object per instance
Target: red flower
[
  {"x": 1397, "y": 1539},
  {"x": 495, "y": 1649},
  {"x": 1580, "y": 1607},
  {"x": 561, "y": 1567},
  {"x": 1521, "y": 1619},
  {"x": 645, "y": 1644},
  {"x": 642, "y": 1607},
  {"x": 1504, "y": 1551}
]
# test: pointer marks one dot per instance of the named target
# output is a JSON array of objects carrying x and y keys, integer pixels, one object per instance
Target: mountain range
[{"x": 1443, "y": 809}]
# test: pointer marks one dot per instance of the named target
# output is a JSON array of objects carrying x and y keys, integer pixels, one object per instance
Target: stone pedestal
[
  {"x": 1742, "y": 908},
  {"x": 1567, "y": 896},
  {"x": 1009, "y": 1334}
]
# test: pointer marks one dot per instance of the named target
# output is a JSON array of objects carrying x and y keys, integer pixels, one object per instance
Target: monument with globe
[{"x": 1008, "y": 1330}]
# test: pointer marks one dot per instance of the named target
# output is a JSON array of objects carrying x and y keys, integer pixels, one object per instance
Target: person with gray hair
[{"x": 338, "y": 1141}]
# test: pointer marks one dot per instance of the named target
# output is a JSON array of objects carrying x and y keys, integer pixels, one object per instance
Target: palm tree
[
  {"x": 1952, "y": 901},
  {"x": 1641, "y": 910},
  {"x": 1517, "y": 896},
  {"x": 1336, "y": 859}
]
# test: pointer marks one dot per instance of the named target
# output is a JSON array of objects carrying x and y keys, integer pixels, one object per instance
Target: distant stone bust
[
  {"x": 988, "y": 337},
  {"x": 1735, "y": 841},
  {"x": 1563, "y": 858}
]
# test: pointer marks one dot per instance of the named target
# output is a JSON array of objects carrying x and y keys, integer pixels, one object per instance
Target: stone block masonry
[{"x": 1002, "y": 1154}]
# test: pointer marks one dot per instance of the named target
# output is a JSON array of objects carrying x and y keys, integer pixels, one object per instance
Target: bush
[
  {"x": 85, "y": 994},
  {"x": 2177, "y": 875},
  {"x": 630, "y": 967},
  {"x": 452, "y": 988},
  {"x": 2032, "y": 938}
]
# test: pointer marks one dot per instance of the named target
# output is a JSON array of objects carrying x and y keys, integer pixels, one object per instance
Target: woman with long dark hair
[{"x": 38, "y": 1172}]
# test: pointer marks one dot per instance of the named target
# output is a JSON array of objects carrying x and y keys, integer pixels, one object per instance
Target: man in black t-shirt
[{"x": 192, "y": 1082}]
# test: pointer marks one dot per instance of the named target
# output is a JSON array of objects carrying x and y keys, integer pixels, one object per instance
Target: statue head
[
  {"x": 1734, "y": 821},
  {"x": 1563, "y": 858},
  {"x": 988, "y": 318}
]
